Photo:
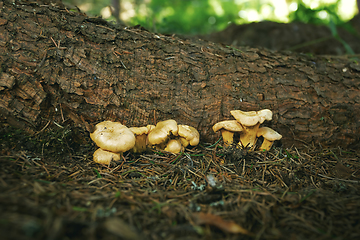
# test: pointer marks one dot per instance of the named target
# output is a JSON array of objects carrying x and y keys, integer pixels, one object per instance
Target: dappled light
[{"x": 205, "y": 16}]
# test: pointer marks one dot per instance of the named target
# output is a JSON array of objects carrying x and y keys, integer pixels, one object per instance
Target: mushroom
[
  {"x": 269, "y": 135},
  {"x": 174, "y": 146},
  {"x": 104, "y": 157},
  {"x": 250, "y": 122},
  {"x": 141, "y": 137},
  {"x": 113, "y": 137},
  {"x": 228, "y": 128},
  {"x": 188, "y": 135},
  {"x": 160, "y": 134}
]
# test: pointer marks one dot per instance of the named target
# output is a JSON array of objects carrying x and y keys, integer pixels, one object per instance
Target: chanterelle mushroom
[
  {"x": 174, "y": 146},
  {"x": 269, "y": 135},
  {"x": 188, "y": 135},
  {"x": 162, "y": 131},
  {"x": 141, "y": 137},
  {"x": 228, "y": 128},
  {"x": 113, "y": 137},
  {"x": 250, "y": 121},
  {"x": 105, "y": 157}
]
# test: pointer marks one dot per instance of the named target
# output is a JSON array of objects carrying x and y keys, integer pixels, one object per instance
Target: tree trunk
[{"x": 58, "y": 65}]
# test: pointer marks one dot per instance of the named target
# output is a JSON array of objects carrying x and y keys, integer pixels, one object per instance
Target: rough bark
[{"x": 60, "y": 66}]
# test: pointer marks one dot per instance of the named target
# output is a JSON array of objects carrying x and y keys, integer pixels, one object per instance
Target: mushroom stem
[
  {"x": 266, "y": 145},
  {"x": 248, "y": 136},
  {"x": 228, "y": 137},
  {"x": 269, "y": 136},
  {"x": 140, "y": 143}
]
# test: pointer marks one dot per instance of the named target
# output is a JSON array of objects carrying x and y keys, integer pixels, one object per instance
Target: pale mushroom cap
[
  {"x": 184, "y": 142},
  {"x": 229, "y": 125},
  {"x": 190, "y": 134},
  {"x": 265, "y": 114},
  {"x": 251, "y": 118},
  {"x": 139, "y": 130},
  {"x": 269, "y": 134},
  {"x": 162, "y": 130},
  {"x": 105, "y": 157},
  {"x": 174, "y": 146},
  {"x": 150, "y": 127},
  {"x": 113, "y": 137}
]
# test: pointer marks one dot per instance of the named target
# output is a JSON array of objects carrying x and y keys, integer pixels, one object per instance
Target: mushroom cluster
[
  {"x": 113, "y": 139},
  {"x": 169, "y": 136},
  {"x": 247, "y": 124}
]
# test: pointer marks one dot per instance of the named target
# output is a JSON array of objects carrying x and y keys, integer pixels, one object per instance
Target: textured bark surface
[{"x": 61, "y": 66}]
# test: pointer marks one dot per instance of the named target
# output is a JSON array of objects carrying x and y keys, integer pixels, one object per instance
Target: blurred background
[
  {"x": 206, "y": 16},
  {"x": 306, "y": 26}
]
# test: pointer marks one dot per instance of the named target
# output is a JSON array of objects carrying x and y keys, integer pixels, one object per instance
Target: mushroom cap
[
  {"x": 268, "y": 133},
  {"x": 184, "y": 142},
  {"x": 251, "y": 118},
  {"x": 229, "y": 125},
  {"x": 113, "y": 137},
  {"x": 174, "y": 146},
  {"x": 150, "y": 127},
  {"x": 139, "y": 130},
  {"x": 190, "y": 134},
  {"x": 265, "y": 114},
  {"x": 104, "y": 157},
  {"x": 162, "y": 130}
]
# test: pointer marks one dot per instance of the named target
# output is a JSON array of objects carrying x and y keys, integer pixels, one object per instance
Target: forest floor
[{"x": 51, "y": 189}]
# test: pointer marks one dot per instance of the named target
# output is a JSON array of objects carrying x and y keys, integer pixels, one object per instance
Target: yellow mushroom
[
  {"x": 113, "y": 137},
  {"x": 188, "y": 135},
  {"x": 227, "y": 129},
  {"x": 141, "y": 134},
  {"x": 174, "y": 146},
  {"x": 105, "y": 157},
  {"x": 269, "y": 136},
  {"x": 250, "y": 122},
  {"x": 162, "y": 132}
]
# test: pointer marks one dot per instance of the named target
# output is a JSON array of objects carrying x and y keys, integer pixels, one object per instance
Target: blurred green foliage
[
  {"x": 205, "y": 16},
  {"x": 190, "y": 17},
  {"x": 308, "y": 15}
]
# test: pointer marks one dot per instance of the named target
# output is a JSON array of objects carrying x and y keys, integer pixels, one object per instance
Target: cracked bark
[{"x": 62, "y": 66}]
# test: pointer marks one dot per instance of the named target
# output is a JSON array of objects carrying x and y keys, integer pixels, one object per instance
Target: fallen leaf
[
  {"x": 219, "y": 222},
  {"x": 121, "y": 229}
]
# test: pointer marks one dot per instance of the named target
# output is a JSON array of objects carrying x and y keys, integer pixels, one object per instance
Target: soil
[{"x": 51, "y": 189}]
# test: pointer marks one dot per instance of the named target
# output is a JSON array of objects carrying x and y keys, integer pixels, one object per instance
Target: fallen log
[{"x": 59, "y": 66}]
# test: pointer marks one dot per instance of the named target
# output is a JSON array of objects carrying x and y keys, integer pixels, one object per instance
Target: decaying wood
[{"x": 64, "y": 66}]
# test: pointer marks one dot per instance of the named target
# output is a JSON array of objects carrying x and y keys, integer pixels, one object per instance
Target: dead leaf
[
  {"x": 121, "y": 229},
  {"x": 343, "y": 171},
  {"x": 217, "y": 221}
]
